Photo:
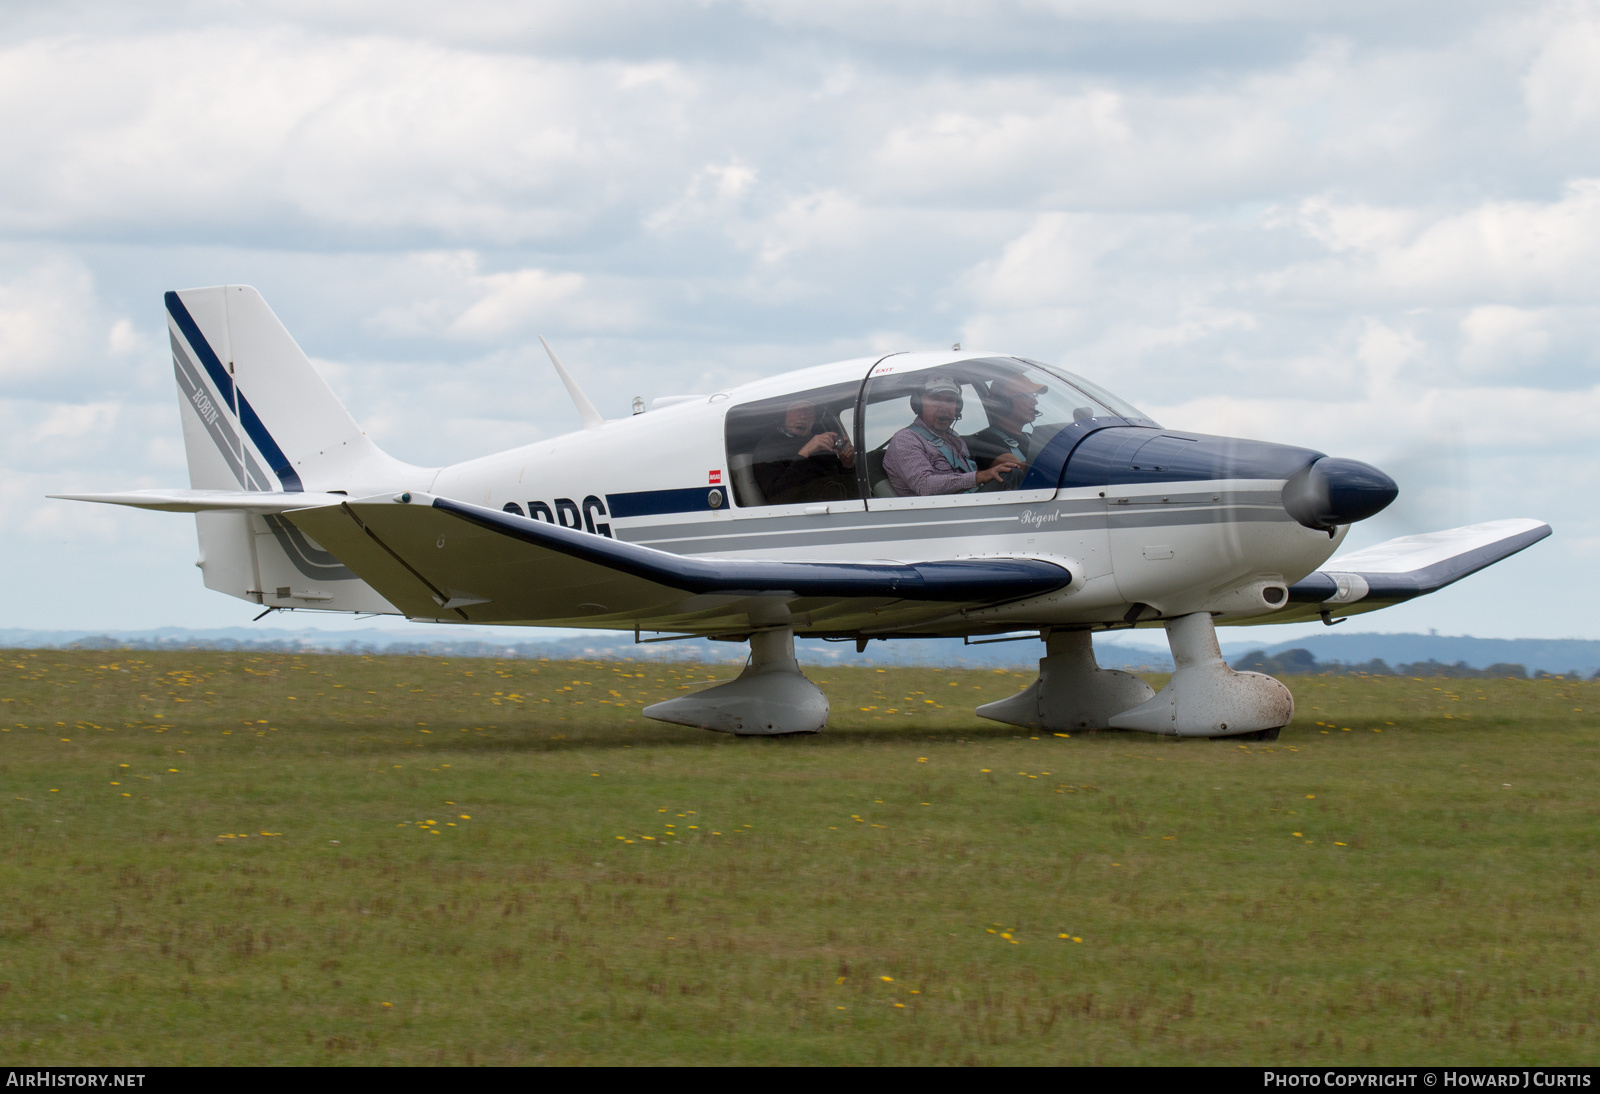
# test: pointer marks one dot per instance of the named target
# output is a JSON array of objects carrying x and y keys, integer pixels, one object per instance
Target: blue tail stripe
[
  {"x": 268, "y": 447},
  {"x": 202, "y": 348}
]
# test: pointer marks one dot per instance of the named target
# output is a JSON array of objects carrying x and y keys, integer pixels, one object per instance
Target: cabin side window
[{"x": 794, "y": 448}]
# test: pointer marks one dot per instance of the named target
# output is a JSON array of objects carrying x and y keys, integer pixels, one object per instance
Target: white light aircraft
[{"x": 839, "y": 502}]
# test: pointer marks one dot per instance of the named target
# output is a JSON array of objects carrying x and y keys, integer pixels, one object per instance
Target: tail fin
[
  {"x": 261, "y": 417},
  {"x": 258, "y": 417}
]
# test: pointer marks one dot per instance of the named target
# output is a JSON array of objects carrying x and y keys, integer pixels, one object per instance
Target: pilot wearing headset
[
  {"x": 928, "y": 457},
  {"x": 1012, "y": 403}
]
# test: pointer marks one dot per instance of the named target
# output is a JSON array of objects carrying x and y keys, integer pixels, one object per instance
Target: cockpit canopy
[{"x": 830, "y": 443}]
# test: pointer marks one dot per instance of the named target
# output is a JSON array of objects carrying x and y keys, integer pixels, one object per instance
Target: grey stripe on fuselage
[
  {"x": 227, "y": 441},
  {"x": 1249, "y": 506}
]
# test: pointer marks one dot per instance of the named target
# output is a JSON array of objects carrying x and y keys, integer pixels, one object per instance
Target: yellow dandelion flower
[{"x": 887, "y": 979}]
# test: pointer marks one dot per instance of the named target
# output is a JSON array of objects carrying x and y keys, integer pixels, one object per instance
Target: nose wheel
[{"x": 1206, "y": 698}]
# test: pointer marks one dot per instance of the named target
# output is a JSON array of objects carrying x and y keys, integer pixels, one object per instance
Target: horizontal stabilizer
[
  {"x": 1405, "y": 568},
  {"x": 209, "y": 501},
  {"x": 490, "y": 566}
]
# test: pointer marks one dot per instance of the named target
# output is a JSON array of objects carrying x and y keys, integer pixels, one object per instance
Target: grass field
[{"x": 275, "y": 859}]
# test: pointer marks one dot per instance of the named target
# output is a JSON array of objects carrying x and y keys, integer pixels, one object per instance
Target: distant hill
[
  {"x": 509, "y": 643},
  {"x": 1555, "y": 655}
]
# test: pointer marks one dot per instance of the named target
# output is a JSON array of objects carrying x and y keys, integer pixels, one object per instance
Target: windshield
[
  {"x": 1113, "y": 405},
  {"x": 1004, "y": 412}
]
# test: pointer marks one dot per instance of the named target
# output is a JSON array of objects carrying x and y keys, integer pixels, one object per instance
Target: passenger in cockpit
[
  {"x": 928, "y": 457},
  {"x": 794, "y": 464},
  {"x": 1012, "y": 403}
]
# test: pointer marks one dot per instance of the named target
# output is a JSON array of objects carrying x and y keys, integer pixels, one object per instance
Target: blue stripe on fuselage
[{"x": 649, "y": 503}]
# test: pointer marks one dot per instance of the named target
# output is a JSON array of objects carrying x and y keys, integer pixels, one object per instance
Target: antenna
[{"x": 586, "y": 411}]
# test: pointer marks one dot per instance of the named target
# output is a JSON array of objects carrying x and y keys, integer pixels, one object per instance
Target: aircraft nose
[{"x": 1333, "y": 491}]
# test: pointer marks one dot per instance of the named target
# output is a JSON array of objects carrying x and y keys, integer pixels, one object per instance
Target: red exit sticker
[{"x": 716, "y": 478}]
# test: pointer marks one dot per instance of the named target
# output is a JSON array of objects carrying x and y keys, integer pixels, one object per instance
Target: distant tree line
[
  {"x": 1295, "y": 662},
  {"x": 561, "y": 649},
  {"x": 1301, "y": 662}
]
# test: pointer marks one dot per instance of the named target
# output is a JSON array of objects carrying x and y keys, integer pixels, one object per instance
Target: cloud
[
  {"x": 191, "y": 134},
  {"x": 1523, "y": 251},
  {"x": 41, "y": 321}
]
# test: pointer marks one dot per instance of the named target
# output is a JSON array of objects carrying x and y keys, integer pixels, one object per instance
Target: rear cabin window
[{"x": 794, "y": 448}]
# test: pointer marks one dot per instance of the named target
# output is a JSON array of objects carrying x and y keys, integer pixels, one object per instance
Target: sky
[{"x": 1366, "y": 228}]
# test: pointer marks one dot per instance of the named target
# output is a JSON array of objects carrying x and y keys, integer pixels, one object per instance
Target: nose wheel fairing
[{"x": 1204, "y": 697}]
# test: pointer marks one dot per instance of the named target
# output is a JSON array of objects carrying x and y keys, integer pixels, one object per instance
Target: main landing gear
[
  {"x": 1072, "y": 691},
  {"x": 1204, "y": 698},
  {"x": 770, "y": 697}
]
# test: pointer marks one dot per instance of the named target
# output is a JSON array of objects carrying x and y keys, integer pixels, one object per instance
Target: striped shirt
[{"x": 917, "y": 468}]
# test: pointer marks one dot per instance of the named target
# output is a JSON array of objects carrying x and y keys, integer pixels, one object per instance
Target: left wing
[
  {"x": 1403, "y": 569},
  {"x": 439, "y": 558}
]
